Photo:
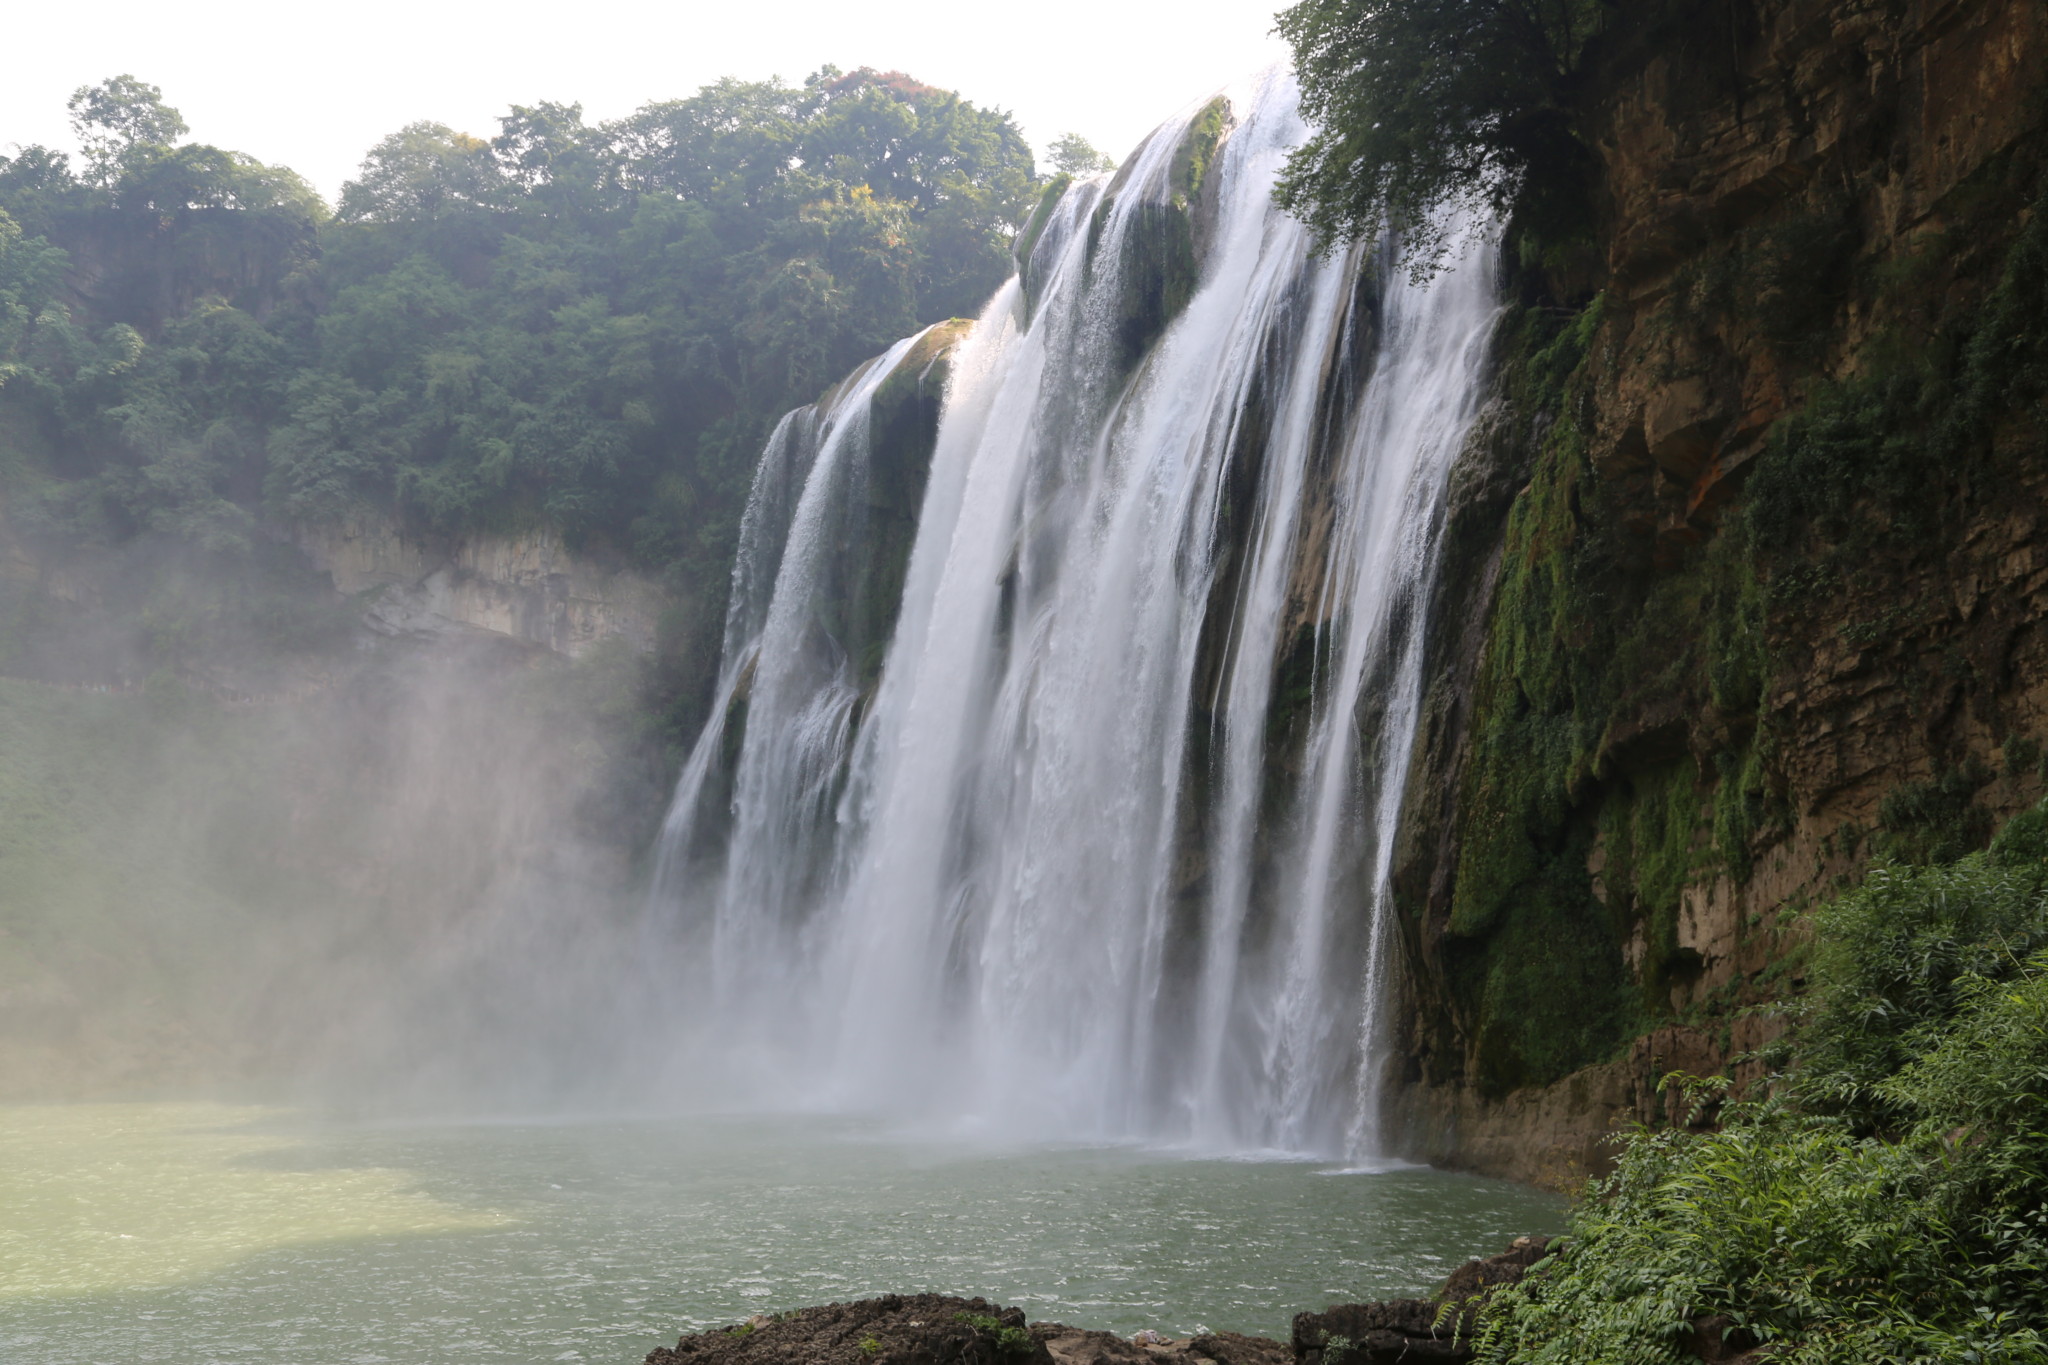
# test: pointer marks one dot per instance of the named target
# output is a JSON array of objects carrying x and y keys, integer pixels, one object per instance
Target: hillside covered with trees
[{"x": 584, "y": 327}]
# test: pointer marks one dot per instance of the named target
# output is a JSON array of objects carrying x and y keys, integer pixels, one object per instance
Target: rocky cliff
[
  {"x": 1747, "y": 566},
  {"x": 526, "y": 585}
]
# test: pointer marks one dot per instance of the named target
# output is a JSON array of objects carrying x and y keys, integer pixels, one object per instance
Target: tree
[
  {"x": 30, "y": 272},
  {"x": 118, "y": 119},
  {"x": 557, "y": 161},
  {"x": 419, "y": 172},
  {"x": 1420, "y": 105},
  {"x": 1072, "y": 154},
  {"x": 167, "y": 179},
  {"x": 726, "y": 145}
]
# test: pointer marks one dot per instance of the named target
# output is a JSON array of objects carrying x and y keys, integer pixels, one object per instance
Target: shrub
[{"x": 1890, "y": 1204}]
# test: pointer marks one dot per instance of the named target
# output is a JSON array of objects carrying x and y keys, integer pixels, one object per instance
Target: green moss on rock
[
  {"x": 862, "y": 588},
  {"x": 1029, "y": 273},
  {"x": 1159, "y": 260},
  {"x": 1196, "y": 154},
  {"x": 1613, "y": 750}
]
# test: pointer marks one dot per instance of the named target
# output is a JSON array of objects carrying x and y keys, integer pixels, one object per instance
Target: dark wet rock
[
  {"x": 1483, "y": 1273},
  {"x": 1716, "y": 1337},
  {"x": 1413, "y": 1331},
  {"x": 1076, "y": 1346},
  {"x": 933, "y": 1329},
  {"x": 895, "y": 1329}
]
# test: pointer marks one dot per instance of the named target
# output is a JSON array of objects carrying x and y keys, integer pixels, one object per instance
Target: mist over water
[
  {"x": 1100, "y": 852},
  {"x": 380, "y": 884}
]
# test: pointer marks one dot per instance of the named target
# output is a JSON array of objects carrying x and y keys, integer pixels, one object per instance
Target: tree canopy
[
  {"x": 586, "y": 326},
  {"x": 1072, "y": 154},
  {"x": 119, "y": 119},
  {"x": 1419, "y": 105}
]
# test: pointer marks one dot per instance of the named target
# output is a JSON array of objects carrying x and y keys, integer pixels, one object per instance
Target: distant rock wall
[{"x": 528, "y": 586}]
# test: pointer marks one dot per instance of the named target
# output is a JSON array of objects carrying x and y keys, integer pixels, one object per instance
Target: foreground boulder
[
  {"x": 895, "y": 1329},
  {"x": 934, "y": 1329},
  {"x": 1074, "y": 1346},
  {"x": 1434, "y": 1331}
]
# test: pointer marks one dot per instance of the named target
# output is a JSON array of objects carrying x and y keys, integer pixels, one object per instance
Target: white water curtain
[{"x": 1053, "y": 878}]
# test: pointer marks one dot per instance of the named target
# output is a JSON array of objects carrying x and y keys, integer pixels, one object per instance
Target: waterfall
[{"x": 1101, "y": 850}]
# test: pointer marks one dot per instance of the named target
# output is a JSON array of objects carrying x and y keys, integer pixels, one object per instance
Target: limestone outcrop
[{"x": 526, "y": 585}]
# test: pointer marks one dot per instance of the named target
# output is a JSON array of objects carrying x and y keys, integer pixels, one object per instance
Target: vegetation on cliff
[
  {"x": 1586, "y": 812},
  {"x": 1425, "y": 103},
  {"x": 1886, "y": 1200},
  {"x": 586, "y": 327},
  {"x": 1620, "y": 748},
  {"x": 1751, "y": 486},
  {"x": 1771, "y": 389}
]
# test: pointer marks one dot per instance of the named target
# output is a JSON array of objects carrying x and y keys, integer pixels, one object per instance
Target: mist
[{"x": 313, "y": 861}]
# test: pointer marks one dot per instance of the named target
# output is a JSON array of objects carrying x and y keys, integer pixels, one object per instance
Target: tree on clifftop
[
  {"x": 1072, "y": 154},
  {"x": 1420, "y": 104},
  {"x": 117, "y": 119}
]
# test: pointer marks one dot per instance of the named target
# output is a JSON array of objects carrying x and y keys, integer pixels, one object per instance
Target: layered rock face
[
  {"x": 528, "y": 585},
  {"x": 1747, "y": 569}
]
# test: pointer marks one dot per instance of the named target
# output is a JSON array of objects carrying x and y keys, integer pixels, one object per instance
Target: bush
[
  {"x": 1889, "y": 1204},
  {"x": 1893, "y": 961}
]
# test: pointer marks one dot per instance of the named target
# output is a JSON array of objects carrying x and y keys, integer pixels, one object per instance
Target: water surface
[{"x": 189, "y": 1233}]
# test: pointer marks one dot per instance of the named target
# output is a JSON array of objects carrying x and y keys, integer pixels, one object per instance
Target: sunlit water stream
[{"x": 194, "y": 1233}]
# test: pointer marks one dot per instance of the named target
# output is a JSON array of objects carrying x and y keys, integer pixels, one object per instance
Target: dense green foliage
[
  {"x": 1072, "y": 154},
  {"x": 587, "y": 327},
  {"x": 1889, "y": 1201},
  {"x": 1422, "y": 104}
]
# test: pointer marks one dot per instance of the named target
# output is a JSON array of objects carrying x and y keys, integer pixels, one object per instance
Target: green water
[{"x": 193, "y": 1234}]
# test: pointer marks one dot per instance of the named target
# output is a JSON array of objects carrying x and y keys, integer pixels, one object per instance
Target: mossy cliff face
[
  {"x": 1155, "y": 272},
  {"x": 903, "y": 427},
  {"x": 1747, "y": 566}
]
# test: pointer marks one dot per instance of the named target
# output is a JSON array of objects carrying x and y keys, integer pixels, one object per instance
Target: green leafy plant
[
  {"x": 1887, "y": 1201},
  {"x": 1005, "y": 1339}
]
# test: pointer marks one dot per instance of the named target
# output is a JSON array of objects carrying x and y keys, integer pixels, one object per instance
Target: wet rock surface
[
  {"x": 1412, "y": 1331},
  {"x": 895, "y": 1329},
  {"x": 934, "y": 1329}
]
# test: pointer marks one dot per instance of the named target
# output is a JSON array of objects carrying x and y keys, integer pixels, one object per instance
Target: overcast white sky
[{"x": 312, "y": 86}]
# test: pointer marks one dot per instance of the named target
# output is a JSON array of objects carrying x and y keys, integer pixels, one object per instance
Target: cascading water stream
[
  {"x": 1101, "y": 851},
  {"x": 796, "y": 681}
]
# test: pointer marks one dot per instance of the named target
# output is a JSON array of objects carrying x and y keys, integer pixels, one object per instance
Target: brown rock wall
[{"x": 1793, "y": 191}]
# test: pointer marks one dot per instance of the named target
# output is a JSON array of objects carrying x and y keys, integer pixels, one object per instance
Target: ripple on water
[{"x": 258, "y": 1232}]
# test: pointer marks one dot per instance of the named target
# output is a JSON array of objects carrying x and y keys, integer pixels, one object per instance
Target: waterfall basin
[{"x": 200, "y": 1233}]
